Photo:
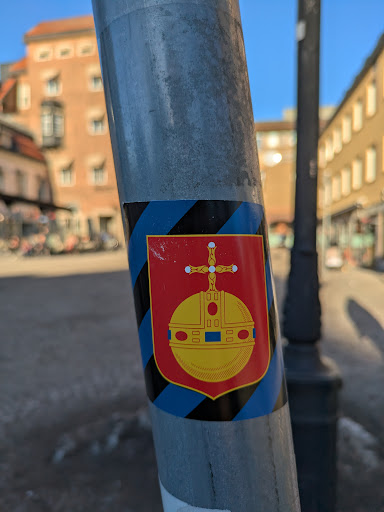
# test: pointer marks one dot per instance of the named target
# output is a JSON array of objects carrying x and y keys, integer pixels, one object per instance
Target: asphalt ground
[{"x": 74, "y": 431}]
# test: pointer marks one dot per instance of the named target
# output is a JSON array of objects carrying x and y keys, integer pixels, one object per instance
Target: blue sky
[{"x": 350, "y": 30}]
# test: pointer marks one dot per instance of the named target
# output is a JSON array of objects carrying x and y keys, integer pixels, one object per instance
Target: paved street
[{"x": 74, "y": 432}]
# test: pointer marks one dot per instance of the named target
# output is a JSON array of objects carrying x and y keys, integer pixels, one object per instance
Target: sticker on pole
[{"x": 204, "y": 304}]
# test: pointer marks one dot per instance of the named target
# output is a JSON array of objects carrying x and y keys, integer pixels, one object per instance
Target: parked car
[{"x": 334, "y": 258}]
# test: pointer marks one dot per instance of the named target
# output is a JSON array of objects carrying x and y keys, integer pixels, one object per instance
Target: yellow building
[
  {"x": 351, "y": 167},
  {"x": 57, "y": 92}
]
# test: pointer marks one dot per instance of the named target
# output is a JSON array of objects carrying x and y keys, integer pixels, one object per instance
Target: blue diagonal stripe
[
  {"x": 145, "y": 336},
  {"x": 178, "y": 401},
  {"x": 158, "y": 218},
  {"x": 268, "y": 279},
  {"x": 245, "y": 221},
  {"x": 264, "y": 398}
]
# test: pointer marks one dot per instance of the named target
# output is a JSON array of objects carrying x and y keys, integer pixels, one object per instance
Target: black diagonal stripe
[
  {"x": 205, "y": 217},
  {"x": 224, "y": 408},
  {"x": 141, "y": 294},
  {"x": 272, "y": 327},
  {"x": 263, "y": 231},
  {"x": 154, "y": 381},
  {"x": 283, "y": 396},
  {"x": 133, "y": 212}
]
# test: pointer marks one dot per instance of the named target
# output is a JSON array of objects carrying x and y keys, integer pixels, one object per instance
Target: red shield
[{"x": 209, "y": 310}]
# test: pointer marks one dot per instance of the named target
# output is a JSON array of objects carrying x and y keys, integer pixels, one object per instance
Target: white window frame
[
  {"x": 103, "y": 129},
  {"x": 357, "y": 173},
  {"x": 43, "y": 50},
  {"x": 66, "y": 47},
  {"x": 322, "y": 160},
  {"x": 327, "y": 193},
  {"x": 337, "y": 140},
  {"x": 82, "y": 46},
  {"x": 336, "y": 187},
  {"x": 64, "y": 182},
  {"x": 93, "y": 175},
  {"x": 371, "y": 105},
  {"x": 346, "y": 128},
  {"x": 92, "y": 86},
  {"x": 329, "y": 153},
  {"x": 370, "y": 164},
  {"x": 357, "y": 115},
  {"x": 47, "y": 123},
  {"x": 346, "y": 185},
  {"x": 55, "y": 79}
]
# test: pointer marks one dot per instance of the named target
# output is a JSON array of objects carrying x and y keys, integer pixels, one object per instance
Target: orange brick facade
[{"x": 60, "y": 98}]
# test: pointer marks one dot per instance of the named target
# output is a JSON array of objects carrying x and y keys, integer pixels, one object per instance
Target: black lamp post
[{"x": 313, "y": 381}]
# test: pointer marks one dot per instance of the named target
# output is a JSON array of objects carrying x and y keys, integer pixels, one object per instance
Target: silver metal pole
[{"x": 182, "y": 131}]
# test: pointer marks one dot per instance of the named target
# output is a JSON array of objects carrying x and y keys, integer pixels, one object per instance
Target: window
[
  {"x": 96, "y": 83},
  {"x": 357, "y": 115},
  {"x": 336, "y": 188},
  {"x": 346, "y": 181},
  {"x": 64, "y": 52},
  {"x": 328, "y": 149},
  {"x": 21, "y": 183},
  {"x": 23, "y": 96},
  {"x": 47, "y": 124},
  {"x": 58, "y": 124},
  {"x": 43, "y": 54},
  {"x": 347, "y": 128},
  {"x": 98, "y": 175},
  {"x": 322, "y": 156},
  {"x": 85, "y": 49},
  {"x": 371, "y": 98},
  {"x": 328, "y": 193},
  {"x": 52, "y": 123},
  {"x": 53, "y": 86},
  {"x": 337, "y": 140},
  {"x": 98, "y": 126},
  {"x": 370, "y": 164},
  {"x": 2, "y": 180},
  {"x": 357, "y": 173},
  {"x": 66, "y": 176}
]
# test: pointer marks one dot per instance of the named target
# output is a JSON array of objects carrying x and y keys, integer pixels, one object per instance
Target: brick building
[
  {"x": 351, "y": 166},
  {"x": 25, "y": 189},
  {"x": 56, "y": 91},
  {"x": 276, "y": 142}
]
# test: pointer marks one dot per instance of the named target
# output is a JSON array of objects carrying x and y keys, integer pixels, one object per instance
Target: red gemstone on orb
[
  {"x": 181, "y": 335},
  {"x": 242, "y": 334},
  {"x": 212, "y": 308}
]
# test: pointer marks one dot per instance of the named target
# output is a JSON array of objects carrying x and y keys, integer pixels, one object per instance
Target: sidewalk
[
  {"x": 352, "y": 325},
  {"x": 74, "y": 434}
]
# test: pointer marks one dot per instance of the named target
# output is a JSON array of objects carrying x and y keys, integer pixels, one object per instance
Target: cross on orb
[{"x": 211, "y": 269}]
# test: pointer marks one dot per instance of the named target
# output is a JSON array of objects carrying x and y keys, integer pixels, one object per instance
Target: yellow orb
[{"x": 212, "y": 335}]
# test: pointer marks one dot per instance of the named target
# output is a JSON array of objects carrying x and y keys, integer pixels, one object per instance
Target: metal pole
[
  {"x": 182, "y": 131},
  {"x": 313, "y": 381}
]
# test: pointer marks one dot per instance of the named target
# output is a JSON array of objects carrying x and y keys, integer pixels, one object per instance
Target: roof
[
  {"x": 6, "y": 87},
  {"x": 53, "y": 28},
  {"x": 22, "y": 140},
  {"x": 274, "y": 126},
  {"x": 26, "y": 146},
  {"x": 19, "y": 65},
  {"x": 370, "y": 61}
]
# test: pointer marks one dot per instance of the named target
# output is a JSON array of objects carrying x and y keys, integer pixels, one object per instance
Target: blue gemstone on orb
[
  {"x": 213, "y": 336},
  {"x": 169, "y": 334}
]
